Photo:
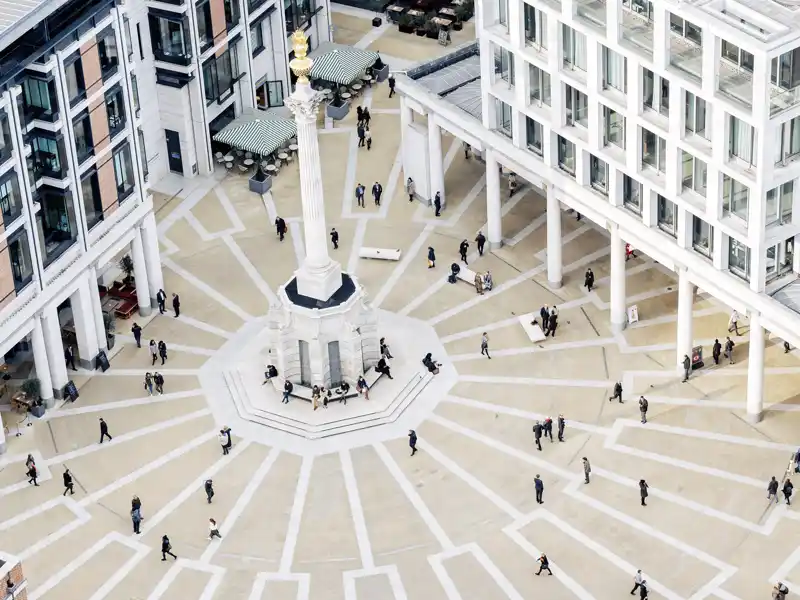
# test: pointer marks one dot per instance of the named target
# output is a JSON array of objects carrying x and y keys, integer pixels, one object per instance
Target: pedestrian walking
[
  {"x": 368, "y": 137},
  {"x": 643, "y": 491},
  {"x": 359, "y": 116},
  {"x": 462, "y": 251},
  {"x": 280, "y": 228},
  {"x": 412, "y": 441},
  {"x": 512, "y": 184},
  {"x": 643, "y": 590},
  {"x": 787, "y": 490},
  {"x": 161, "y": 300},
  {"x": 786, "y": 347},
  {"x": 410, "y": 187},
  {"x": 384, "y": 348},
  {"x": 547, "y": 428},
  {"x": 69, "y": 357},
  {"x": 779, "y": 591},
  {"x": 687, "y": 367},
  {"x": 335, "y": 238},
  {"x": 162, "y": 351},
  {"x": 226, "y": 432},
  {"x": 480, "y": 240},
  {"x": 485, "y": 345},
  {"x": 733, "y": 322},
  {"x": 772, "y": 490},
  {"x": 431, "y": 257},
  {"x": 467, "y": 150},
  {"x": 561, "y": 425},
  {"x": 166, "y": 548},
  {"x": 213, "y": 530},
  {"x": 391, "y": 85},
  {"x": 33, "y": 474},
  {"x": 360, "y": 189},
  {"x": 30, "y": 461},
  {"x": 176, "y": 305},
  {"x": 637, "y": 581},
  {"x": 716, "y": 350},
  {"x": 136, "y": 519},
  {"x": 587, "y": 469},
  {"x": 617, "y": 392},
  {"x": 288, "y": 388},
  {"x": 153, "y": 352},
  {"x": 552, "y": 323},
  {"x": 69, "y": 486},
  {"x": 729, "y": 349},
  {"x": 148, "y": 383},
  {"x": 104, "y": 431},
  {"x": 539, "y": 487},
  {"x": 437, "y": 204},
  {"x": 643, "y": 405},
  {"x": 367, "y": 117},
  {"x": 360, "y": 132},
  {"x": 588, "y": 280},
  {"x": 544, "y": 564},
  {"x": 208, "y": 486},
  {"x": 478, "y": 283},
  {"x": 544, "y": 315},
  {"x": 377, "y": 192},
  {"x": 797, "y": 461},
  {"x": 137, "y": 334},
  {"x": 223, "y": 441},
  {"x": 537, "y": 434},
  {"x": 158, "y": 379}
]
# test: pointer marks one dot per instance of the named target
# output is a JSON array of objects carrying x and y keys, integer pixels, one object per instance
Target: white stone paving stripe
[
  {"x": 129, "y": 339},
  {"x": 551, "y": 346},
  {"x": 202, "y": 325},
  {"x": 392, "y": 183},
  {"x": 296, "y": 516},
  {"x": 358, "y": 241},
  {"x": 356, "y": 510},
  {"x": 140, "y": 372},
  {"x": 250, "y": 269},
  {"x": 408, "y": 257},
  {"x": 206, "y": 289},
  {"x": 230, "y": 210},
  {"x": 588, "y": 383}
]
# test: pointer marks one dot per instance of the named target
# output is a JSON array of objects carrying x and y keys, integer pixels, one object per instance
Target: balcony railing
[
  {"x": 686, "y": 56},
  {"x": 592, "y": 11},
  {"x": 781, "y": 99},
  {"x": 638, "y": 31},
  {"x": 735, "y": 83}
]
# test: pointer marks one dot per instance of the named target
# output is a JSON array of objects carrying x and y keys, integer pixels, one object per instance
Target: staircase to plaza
[{"x": 290, "y": 418}]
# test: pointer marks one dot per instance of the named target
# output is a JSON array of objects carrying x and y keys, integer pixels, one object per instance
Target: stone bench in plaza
[
  {"x": 466, "y": 275},
  {"x": 380, "y": 253},
  {"x": 533, "y": 330}
]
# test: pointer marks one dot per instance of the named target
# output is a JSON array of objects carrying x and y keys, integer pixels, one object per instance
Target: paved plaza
[{"x": 459, "y": 519}]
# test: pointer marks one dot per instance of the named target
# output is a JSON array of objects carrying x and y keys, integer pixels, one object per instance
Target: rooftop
[
  {"x": 456, "y": 77},
  {"x": 775, "y": 21},
  {"x": 16, "y": 16}
]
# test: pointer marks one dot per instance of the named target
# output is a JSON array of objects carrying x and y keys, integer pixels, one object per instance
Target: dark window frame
[
  {"x": 14, "y": 211},
  {"x": 90, "y": 139}
]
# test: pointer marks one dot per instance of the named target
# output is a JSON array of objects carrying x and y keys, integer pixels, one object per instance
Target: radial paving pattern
[{"x": 458, "y": 520}]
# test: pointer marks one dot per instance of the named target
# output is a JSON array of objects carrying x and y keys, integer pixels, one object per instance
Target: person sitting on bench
[
  {"x": 383, "y": 368},
  {"x": 455, "y": 269},
  {"x": 270, "y": 373},
  {"x": 343, "y": 390},
  {"x": 431, "y": 364}
]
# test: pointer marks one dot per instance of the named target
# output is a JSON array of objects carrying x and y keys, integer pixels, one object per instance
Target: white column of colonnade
[
  {"x": 41, "y": 363},
  {"x": 436, "y": 160},
  {"x": 755, "y": 370},
  {"x": 152, "y": 256},
  {"x": 619, "y": 313},
  {"x": 554, "y": 266},
  {"x": 685, "y": 318},
  {"x": 83, "y": 316},
  {"x": 140, "y": 274},
  {"x": 494, "y": 216},
  {"x": 51, "y": 329}
]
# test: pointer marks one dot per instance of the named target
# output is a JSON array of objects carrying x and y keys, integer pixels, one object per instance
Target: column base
[
  {"x": 58, "y": 394},
  {"x": 554, "y": 285},
  {"x": 49, "y": 402},
  {"x": 86, "y": 364},
  {"x": 618, "y": 327},
  {"x": 754, "y": 417},
  {"x": 494, "y": 245},
  {"x": 144, "y": 311},
  {"x": 3, "y": 447}
]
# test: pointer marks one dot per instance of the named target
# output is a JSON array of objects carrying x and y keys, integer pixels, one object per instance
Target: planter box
[
  {"x": 405, "y": 29},
  {"x": 260, "y": 185},
  {"x": 337, "y": 113},
  {"x": 38, "y": 411},
  {"x": 458, "y": 26},
  {"x": 111, "y": 340},
  {"x": 432, "y": 35},
  {"x": 420, "y": 32},
  {"x": 376, "y": 21},
  {"x": 381, "y": 74}
]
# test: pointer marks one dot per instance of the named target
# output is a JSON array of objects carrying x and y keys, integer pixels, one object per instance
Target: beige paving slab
[
  {"x": 528, "y": 208},
  {"x": 279, "y": 590},
  {"x": 348, "y": 29},
  {"x": 185, "y": 237},
  {"x": 211, "y": 214},
  {"x": 166, "y": 327},
  {"x": 102, "y": 389},
  {"x": 164, "y": 204},
  {"x": 381, "y": 100},
  {"x": 375, "y": 587},
  {"x": 236, "y": 585},
  {"x": 373, "y": 274},
  {"x": 143, "y": 579},
  {"x": 198, "y": 305},
  {"x": 542, "y": 365},
  {"x": 411, "y": 47},
  {"x": 418, "y": 277},
  {"x": 326, "y": 582},
  {"x": 131, "y": 357},
  {"x": 376, "y": 164},
  {"x": 248, "y": 206},
  {"x": 189, "y": 583},
  {"x": 511, "y": 336},
  {"x": 275, "y": 261},
  {"x": 419, "y": 580},
  {"x": 703, "y": 328},
  {"x": 286, "y": 190},
  {"x": 19, "y": 537},
  {"x": 471, "y": 579}
]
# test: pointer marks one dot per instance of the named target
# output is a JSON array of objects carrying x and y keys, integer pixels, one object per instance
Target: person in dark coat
[
  {"x": 158, "y": 379},
  {"x": 643, "y": 406},
  {"x": 552, "y": 324},
  {"x": 377, "y": 192},
  {"x": 359, "y": 115},
  {"x": 437, "y": 204},
  {"x": 431, "y": 257},
  {"x": 335, "y": 238},
  {"x": 772, "y": 490},
  {"x": 481, "y": 241},
  {"x": 69, "y": 357},
  {"x": 161, "y": 299},
  {"x": 162, "y": 351},
  {"x": 166, "y": 548},
  {"x": 547, "y": 428},
  {"x": 588, "y": 280},
  {"x": 367, "y": 117},
  {"x": 391, "y": 85},
  {"x": 643, "y": 590},
  {"x": 412, "y": 441},
  {"x": 137, "y": 334},
  {"x": 69, "y": 486},
  {"x": 561, "y": 425},
  {"x": 716, "y": 351},
  {"x": 544, "y": 564},
  {"x": 209, "y": 488},
  {"x": 729, "y": 349},
  {"x": 544, "y": 315},
  {"x": 33, "y": 474},
  {"x": 643, "y": 491},
  {"x": 537, "y": 434},
  {"x": 617, "y": 392},
  {"x": 539, "y": 486},
  {"x": 361, "y": 135},
  {"x": 787, "y": 490},
  {"x": 687, "y": 367},
  {"x": 288, "y": 388},
  {"x": 280, "y": 227},
  {"x": 136, "y": 519},
  {"x": 462, "y": 251},
  {"x": 104, "y": 431},
  {"x": 176, "y": 305},
  {"x": 383, "y": 367}
]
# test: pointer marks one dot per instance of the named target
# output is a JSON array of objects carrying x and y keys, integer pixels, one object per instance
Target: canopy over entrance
[
  {"x": 261, "y": 132},
  {"x": 341, "y": 64}
]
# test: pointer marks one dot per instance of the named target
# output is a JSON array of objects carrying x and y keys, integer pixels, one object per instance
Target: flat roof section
[
  {"x": 455, "y": 77},
  {"x": 14, "y": 11}
]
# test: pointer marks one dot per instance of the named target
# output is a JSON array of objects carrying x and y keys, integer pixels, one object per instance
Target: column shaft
[
  {"x": 152, "y": 256},
  {"x": 553, "y": 239},
  {"x": 51, "y": 329},
  {"x": 619, "y": 314},
  {"x": 85, "y": 329},
  {"x": 755, "y": 370},
  {"x": 140, "y": 274},
  {"x": 41, "y": 363},
  {"x": 494, "y": 222},
  {"x": 436, "y": 160},
  {"x": 685, "y": 329},
  {"x": 97, "y": 311}
]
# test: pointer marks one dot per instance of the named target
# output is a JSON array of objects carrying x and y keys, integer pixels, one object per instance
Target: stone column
[
  {"x": 755, "y": 370},
  {"x": 152, "y": 256},
  {"x": 685, "y": 318},
  {"x": 436, "y": 160},
  {"x": 97, "y": 311},
  {"x": 85, "y": 330},
  {"x": 51, "y": 329},
  {"x": 494, "y": 221},
  {"x": 553, "y": 239},
  {"x": 619, "y": 313},
  {"x": 140, "y": 274},
  {"x": 41, "y": 363}
]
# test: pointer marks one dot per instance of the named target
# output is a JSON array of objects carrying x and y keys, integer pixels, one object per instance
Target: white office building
[{"x": 674, "y": 124}]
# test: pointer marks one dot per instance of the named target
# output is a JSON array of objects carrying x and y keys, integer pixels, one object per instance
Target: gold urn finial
[{"x": 300, "y": 64}]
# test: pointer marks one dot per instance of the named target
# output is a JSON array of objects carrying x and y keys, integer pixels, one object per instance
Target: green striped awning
[
  {"x": 261, "y": 132},
  {"x": 341, "y": 64}
]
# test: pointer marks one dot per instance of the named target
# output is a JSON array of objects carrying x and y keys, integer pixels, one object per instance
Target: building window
[
  {"x": 739, "y": 259},
  {"x": 788, "y": 144},
  {"x": 220, "y": 74},
  {"x": 702, "y": 236},
  {"x": 577, "y": 105},
  {"x": 534, "y": 136},
  {"x": 598, "y": 174},
  {"x": 696, "y": 116},
  {"x": 742, "y": 141},
  {"x": 205, "y": 30},
  {"x": 232, "y": 14},
  {"x": 503, "y": 118},
  {"x": 566, "y": 156},
  {"x": 115, "y": 110},
  {"x": 92, "y": 204},
  {"x": 615, "y": 70},
  {"x": 503, "y": 65},
  {"x": 613, "y": 128},
  {"x": 55, "y": 223},
  {"x": 128, "y": 38},
  {"x": 39, "y": 99},
  {"x": 107, "y": 51},
  {"x": 257, "y": 38},
  {"x": 10, "y": 201},
  {"x": 135, "y": 92},
  {"x": 254, "y": 5},
  {"x": 574, "y": 46},
  {"x": 785, "y": 71},
  {"x": 123, "y": 171},
  {"x": 76, "y": 86},
  {"x": 655, "y": 92},
  {"x": 735, "y": 198},
  {"x": 169, "y": 37},
  {"x": 269, "y": 94},
  {"x": 139, "y": 40},
  {"x": 654, "y": 151},
  {"x": 632, "y": 194},
  {"x": 694, "y": 174},
  {"x": 142, "y": 153},
  {"x": 82, "y": 129},
  {"x": 780, "y": 259},
  {"x": 47, "y": 157},
  {"x": 779, "y": 204},
  {"x": 540, "y": 86},
  {"x": 535, "y": 26},
  {"x": 502, "y": 12},
  {"x": 643, "y": 8},
  {"x": 667, "y": 218},
  {"x": 741, "y": 58},
  {"x": 685, "y": 29},
  {"x": 6, "y": 144},
  {"x": 20, "y": 254},
  {"x": 298, "y": 13}
]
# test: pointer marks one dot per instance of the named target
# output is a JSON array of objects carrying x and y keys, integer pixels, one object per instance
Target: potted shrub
[
  {"x": 337, "y": 108},
  {"x": 462, "y": 15},
  {"x": 405, "y": 24},
  {"x": 380, "y": 70},
  {"x": 432, "y": 30},
  {"x": 126, "y": 266},
  {"x": 419, "y": 25},
  {"x": 260, "y": 182},
  {"x": 469, "y": 6},
  {"x": 33, "y": 391},
  {"x": 110, "y": 322}
]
